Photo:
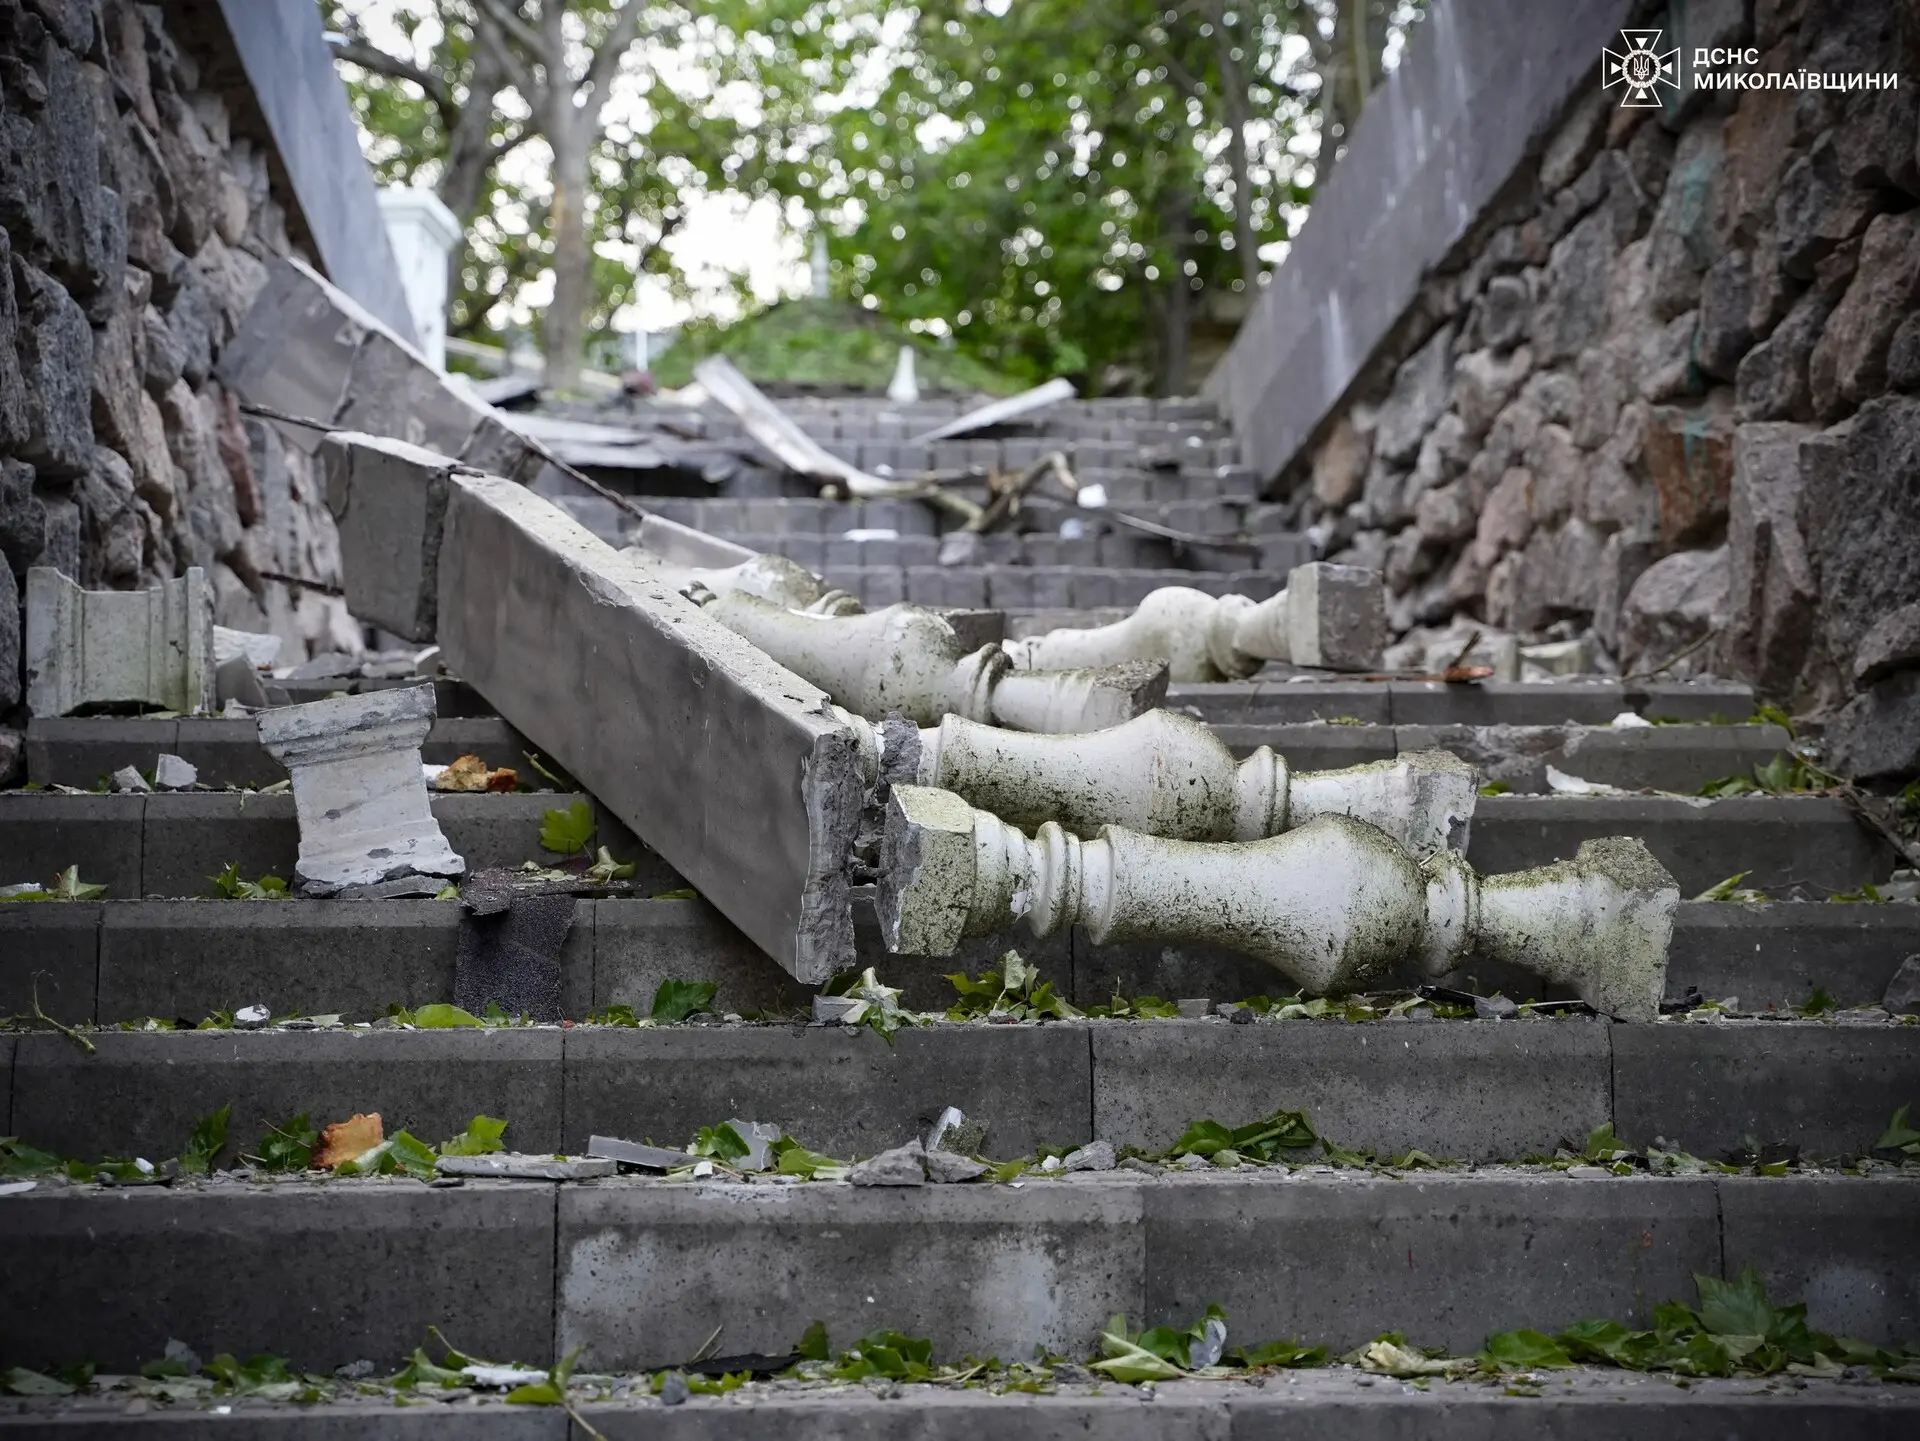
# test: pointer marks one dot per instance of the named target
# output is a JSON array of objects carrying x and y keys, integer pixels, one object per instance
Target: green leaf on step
[
  {"x": 208, "y": 1140},
  {"x": 19, "y": 1381},
  {"x": 618, "y": 1014},
  {"x": 567, "y": 832},
  {"x": 440, "y": 1016},
  {"x": 1899, "y": 1135},
  {"x": 1724, "y": 890},
  {"x": 1496, "y": 788},
  {"x": 1765, "y": 714},
  {"x": 288, "y": 1146},
  {"x": 676, "y": 1000},
  {"x": 793, "y": 1159},
  {"x": 683, "y": 893},
  {"x": 447, "y": 893},
  {"x": 419, "y": 1371},
  {"x": 21, "y": 1162},
  {"x": 232, "y": 886},
  {"x": 1524, "y": 1351},
  {"x": 1820, "y": 1003},
  {"x": 481, "y": 1138},
  {"x": 813, "y": 1342},
  {"x": 605, "y": 868},
  {"x": 413, "y": 1155},
  {"x": 1124, "y": 1358},
  {"x": 1278, "y": 1353},
  {"x": 257, "y": 1374},
  {"x": 553, "y": 1390},
  {"x": 720, "y": 1142},
  {"x": 886, "y": 1354}
]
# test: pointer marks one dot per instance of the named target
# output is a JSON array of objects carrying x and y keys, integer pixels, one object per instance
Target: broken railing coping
[{"x": 729, "y": 765}]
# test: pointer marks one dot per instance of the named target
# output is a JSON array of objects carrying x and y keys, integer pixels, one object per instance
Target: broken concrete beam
[
  {"x": 107, "y": 647},
  {"x": 907, "y": 659},
  {"x": 358, "y": 789},
  {"x": 731, "y": 767},
  {"x": 389, "y": 502},
  {"x": 1334, "y": 905},
  {"x": 1165, "y": 774},
  {"x": 308, "y": 350},
  {"x": 1331, "y": 617}
]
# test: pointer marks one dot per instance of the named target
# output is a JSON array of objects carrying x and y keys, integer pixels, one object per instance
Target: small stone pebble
[
  {"x": 1193, "y": 1008},
  {"x": 673, "y": 1391}
]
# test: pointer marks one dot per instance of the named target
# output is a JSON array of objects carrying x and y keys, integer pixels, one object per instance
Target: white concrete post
[
  {"x": 1330, "y": 617},
  {"x": 1165, "y": 774},
  {"x": 423, "y": 233},
  {"x": 358, "y": 788},
  {"x": 1336, "y": 905},
  {"x": 107, "y": 647}
]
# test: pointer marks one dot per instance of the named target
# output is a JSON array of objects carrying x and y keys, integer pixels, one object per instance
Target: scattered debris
[
  {"x": 636, "y": 1153},
  {"x": 1094, "y": 1156},
  {"x": 1902, "y": 997},
  {"x": 470, "y": 773},
  {"x": 171, "y": 773},
  {"x": 950, "y": 1168},
  {"x": 943, "y": 1124},
  {"x": 513, "y": 1166},
  {"x": 1000, "y": 412},
  {"x": 902, "y": 1166},
  {"x": 128, "y": 780},
  {"x": 1193, "y": 1008},
  {"x": 251, "y": 1018},
  {"x": 347, "y": 1140},
  {"x": 1563, "y": 784}
]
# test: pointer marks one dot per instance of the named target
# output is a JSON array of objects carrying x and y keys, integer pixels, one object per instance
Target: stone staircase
[
  {"x": 1172, "y": 464},
  {"x": 1441, "y": 1213}
]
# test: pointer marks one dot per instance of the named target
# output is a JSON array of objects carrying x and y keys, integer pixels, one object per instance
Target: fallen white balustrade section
[
  {"x": 119, "y": 647},
  {"x": 1336, "y": 905}
]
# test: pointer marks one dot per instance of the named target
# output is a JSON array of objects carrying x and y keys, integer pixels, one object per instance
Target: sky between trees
[{"x": 1080, "y": 187}]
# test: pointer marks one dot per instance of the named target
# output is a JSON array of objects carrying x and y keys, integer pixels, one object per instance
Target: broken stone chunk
[
  {"x": 1094, "y": 1156},
  {"x": 88, "y": 647},
  {"x": 127, "y": 778},
  {"x": 1903, "y": 991},
  {"x": 1193, "y": 1008},
  {"x": 902, "y": 1166},
  {"x": 251, "y": 1018},
  {"x": 946, "y": 1168},
  {"x": 1494, "y": 1008},
  {"x": 949, "y": 1118},
  {"x": 833, "y": 1010},
  {"x": 673, "y": 1390},
  {"x": 636, "y": 1153},
  {"x": 172, "y": 773},
  {"x": 512, "y": 1166}
]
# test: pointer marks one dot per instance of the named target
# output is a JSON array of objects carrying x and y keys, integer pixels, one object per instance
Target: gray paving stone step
[
  {"x": 639, "y": 1273},
  {"x": 1122, "y": 550},
  {"x": 1461, "y": 1090},
  {"x": 80, "y": 751},
  {"x": 726, "y": 515},
  {"x": 1037, "y": 587},
  {"x": 170, "y": 844},
  {"x": 118, "y": 961},
  {"x": 1577, "y": 702},
  {"x": 1585, "y": 1405}
]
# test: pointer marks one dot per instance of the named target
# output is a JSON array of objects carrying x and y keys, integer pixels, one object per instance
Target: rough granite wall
[
  {"x": 136, "y": 229},
  {"x": 1669, "y": 389}
]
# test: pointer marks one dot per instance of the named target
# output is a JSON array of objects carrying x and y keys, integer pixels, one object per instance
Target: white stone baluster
[
  {"x": 1165, "y": 774},
  {"x": 908, "y": 659},
  {"x": 1337, "y": 905},
  {"x": 358, "y": 789},
  {"x": 1330, "y": 617}
]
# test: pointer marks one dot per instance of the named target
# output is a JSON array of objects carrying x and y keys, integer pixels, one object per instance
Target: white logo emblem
[{"x": 1641, "y": 69}]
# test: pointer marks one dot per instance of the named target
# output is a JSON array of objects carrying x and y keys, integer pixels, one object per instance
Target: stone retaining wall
[
  {"x": 137, "y": 217},
  {"x": 1665, "y": 390}
]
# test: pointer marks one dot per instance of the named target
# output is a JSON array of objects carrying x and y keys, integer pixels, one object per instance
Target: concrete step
[
  {"x": 117, "y": 961},
  {"x": 1581, "y": 1405},
  {"x": 1479, "y": 1091},
  {"x": 84, "y": 750},
  {"x": 726, "y": 515},
  {"x": 1031, "y": 587},
  {"x": 170, "y": 844},
  {"x": 173, "y": 843},
  {"x": 1316, "y": 696},
  {"x": 1123, "y": 550},
  {"x": 640, "y": 1273}
]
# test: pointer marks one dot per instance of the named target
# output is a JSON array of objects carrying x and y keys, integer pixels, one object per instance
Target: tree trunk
[
  {"x": 470, "y": 157},
  {"x": 1233, "y": 95},
  {"x": 564, "y": 327}
]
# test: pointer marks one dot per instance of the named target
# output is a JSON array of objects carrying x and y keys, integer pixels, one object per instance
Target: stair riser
[
  {"x": 640, "y": 1274},
  {"x": 126, "y": 960},
  {"x": 1434, "y": 703},
  {"x": 1480, "y": 1091},
  {"x": 169, "y": 845},
  {"x": 228, "y": 752}
]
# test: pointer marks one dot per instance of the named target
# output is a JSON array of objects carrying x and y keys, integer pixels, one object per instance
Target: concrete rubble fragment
[
  {"x": 637, "y": 1153},
  {"x": 1166, "y": 774},
  {"x": 902, "y": 1166},
  {"x": 1094, "y": 1156},
  {"x": 908, "y": 659},
  {"x": 512, "y": 1166},
  {"x": 949, "y": 1168},
  {"x": 259, "y": 651},
  {"x": 1330, "y": 617},
  {"x": 358, "y": 790},
  {"x": 127, "y": 780},
  {"x": 1903, "y": 991},
  {"x": 171, "y": 773},
  {"x": 138, "y": 647},
  {"x": 759, "y": 1137},
  {"x": 943, "y": 1126},
  {"x": 1336, "y": 905}
]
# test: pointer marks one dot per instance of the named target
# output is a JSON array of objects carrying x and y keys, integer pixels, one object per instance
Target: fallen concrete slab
[{"x": 733, "y": 768}]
